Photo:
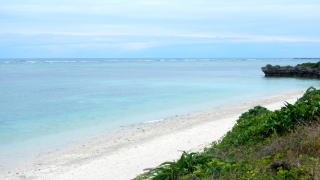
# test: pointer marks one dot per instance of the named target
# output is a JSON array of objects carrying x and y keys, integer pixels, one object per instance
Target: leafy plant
[
  {"x": 310, "y": 65},
  {"x": 284, "y": 144}
]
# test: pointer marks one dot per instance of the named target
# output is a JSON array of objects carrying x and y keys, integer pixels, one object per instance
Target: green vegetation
[
  {"x": 283, "y": 144},
  {"x": 310, "y": 65}
]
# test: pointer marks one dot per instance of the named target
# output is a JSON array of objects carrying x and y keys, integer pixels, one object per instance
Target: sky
[{"x": 159, "y": 28}]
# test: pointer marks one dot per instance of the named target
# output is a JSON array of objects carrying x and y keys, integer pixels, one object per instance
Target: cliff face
[{"x": 301, "y": 70}]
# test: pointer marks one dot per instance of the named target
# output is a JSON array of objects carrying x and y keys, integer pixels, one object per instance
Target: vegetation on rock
[
  {"x": 307, "y": 70},
  {"x": 310, "y": 65}
]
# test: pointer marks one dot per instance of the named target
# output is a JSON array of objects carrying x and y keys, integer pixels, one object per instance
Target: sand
[{"x": 126, "y": 154}]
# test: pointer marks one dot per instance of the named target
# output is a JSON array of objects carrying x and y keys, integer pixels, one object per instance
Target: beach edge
[{"x": 145, "y": 145}]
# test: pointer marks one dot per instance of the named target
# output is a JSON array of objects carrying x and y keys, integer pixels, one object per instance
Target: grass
[
  {"x": 311, "y": 65},
  {"x": 263, "y": 144}
]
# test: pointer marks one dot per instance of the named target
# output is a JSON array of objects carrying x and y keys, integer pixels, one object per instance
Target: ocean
[{"x": 46, "y": 104}]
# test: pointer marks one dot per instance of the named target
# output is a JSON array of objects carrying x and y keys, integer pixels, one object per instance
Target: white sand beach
[{"x": 127, "y": 153}]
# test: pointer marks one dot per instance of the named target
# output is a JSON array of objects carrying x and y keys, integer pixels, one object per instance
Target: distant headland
[{"x": 305, "y": 70}]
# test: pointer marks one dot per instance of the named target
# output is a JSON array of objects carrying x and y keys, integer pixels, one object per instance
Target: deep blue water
[{"x": 47, "y": 103}]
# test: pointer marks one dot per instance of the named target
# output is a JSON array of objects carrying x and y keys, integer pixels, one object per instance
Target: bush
[
  {"x": 261, "y": 145},
  {"x": 310, "y": 65}
]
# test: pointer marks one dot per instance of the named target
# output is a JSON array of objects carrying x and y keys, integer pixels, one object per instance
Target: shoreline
[{"x": 142, "y": 146}]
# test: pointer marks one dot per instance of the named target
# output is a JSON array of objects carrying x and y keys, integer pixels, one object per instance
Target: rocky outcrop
[{"x": 307, "y": 70}]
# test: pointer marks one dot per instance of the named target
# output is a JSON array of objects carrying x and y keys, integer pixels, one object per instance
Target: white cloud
[
  {"x": 181, "y": 9},
  {"x": 137, "y": 46},
  {"x": 127, "y": 46},
  {"x": 250, "y": 38},
  {"x": 127, "y": 40}
]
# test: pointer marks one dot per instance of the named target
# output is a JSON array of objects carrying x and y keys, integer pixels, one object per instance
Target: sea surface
[{"x": 46, "y": 104}]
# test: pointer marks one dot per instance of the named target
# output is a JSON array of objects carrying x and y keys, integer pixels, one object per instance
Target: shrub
[
  {"x": 310, "y": 65},
  {"x": 284, "y": 144}
]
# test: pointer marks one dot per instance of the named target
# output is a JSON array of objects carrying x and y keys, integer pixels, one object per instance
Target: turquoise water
[{"x": 48, "y": 103}]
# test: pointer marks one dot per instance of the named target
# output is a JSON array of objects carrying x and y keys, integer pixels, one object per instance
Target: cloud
[
  {"x": 162, "y": 36},
  {"x": 128, "y": 46},
  {"x": 250, "y": 38},
  {"x": 142, "y": 25},
  {"x": 181, "y": 9},
  {"x": 138, "y": 46}
]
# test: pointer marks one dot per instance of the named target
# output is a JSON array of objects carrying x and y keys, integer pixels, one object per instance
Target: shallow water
[{"x": 48, "y": 103}]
